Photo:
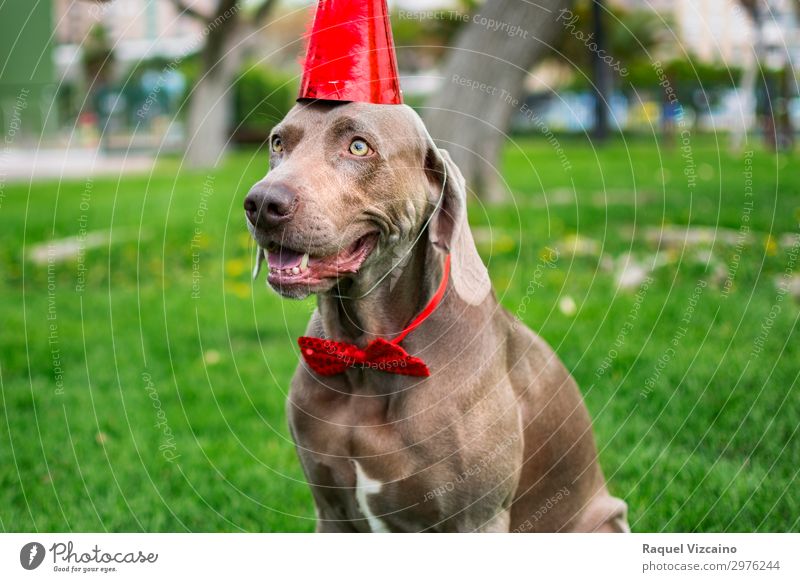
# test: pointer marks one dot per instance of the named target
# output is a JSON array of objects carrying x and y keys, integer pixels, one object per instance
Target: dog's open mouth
[{"x": 289, "y": 267}]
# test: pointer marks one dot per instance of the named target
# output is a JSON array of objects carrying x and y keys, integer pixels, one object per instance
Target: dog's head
[{"x": 351, "y": 188}]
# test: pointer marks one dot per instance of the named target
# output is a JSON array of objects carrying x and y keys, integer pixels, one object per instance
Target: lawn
[{"x": 143, "y": 374}]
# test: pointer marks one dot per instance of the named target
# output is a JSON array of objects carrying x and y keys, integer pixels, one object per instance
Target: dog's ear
[{"x": 448, "y": 230}]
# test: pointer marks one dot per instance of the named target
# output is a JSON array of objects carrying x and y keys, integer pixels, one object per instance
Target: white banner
[{"x": 406, "y": 558}]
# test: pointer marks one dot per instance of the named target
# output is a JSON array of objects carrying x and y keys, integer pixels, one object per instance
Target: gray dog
[{"x": 361, "y": 208}]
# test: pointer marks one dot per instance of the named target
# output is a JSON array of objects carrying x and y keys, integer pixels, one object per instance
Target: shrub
[{"x": 262, "y": 96}]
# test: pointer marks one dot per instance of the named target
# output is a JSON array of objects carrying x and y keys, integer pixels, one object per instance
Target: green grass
[{"x": 713, "y": 446}]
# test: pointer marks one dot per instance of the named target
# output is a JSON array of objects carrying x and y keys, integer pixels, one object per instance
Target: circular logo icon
[{"x": 31, "y": 555}]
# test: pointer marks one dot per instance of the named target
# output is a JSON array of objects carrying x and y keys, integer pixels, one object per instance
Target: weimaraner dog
[{"x": 361, "y": 208}]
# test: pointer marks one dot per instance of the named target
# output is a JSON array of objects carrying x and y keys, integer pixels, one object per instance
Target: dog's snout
[{"x": 270, "y": 206}]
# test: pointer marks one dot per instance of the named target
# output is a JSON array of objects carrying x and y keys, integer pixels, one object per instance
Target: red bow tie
[{"x": 328, "y": 357}]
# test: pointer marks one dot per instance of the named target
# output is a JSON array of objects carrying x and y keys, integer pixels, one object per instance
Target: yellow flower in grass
[
  {"x": 200, "y": 240},
  {"x": 504, "y": 244},
  {"x": 771, "y": 246},
  {"x": 235, "y": 267},
  {"x": 241, "y": 290}
]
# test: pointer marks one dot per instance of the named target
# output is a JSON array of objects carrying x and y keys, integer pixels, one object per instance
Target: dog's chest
[
  {"x": 394, "y": 463},
  {"x": 365, "y": 458}
]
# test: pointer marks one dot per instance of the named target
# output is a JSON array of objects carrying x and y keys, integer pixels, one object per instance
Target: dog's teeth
[
  {"x": 295, "y": 270},
  {"x": 304, "y": 262}
]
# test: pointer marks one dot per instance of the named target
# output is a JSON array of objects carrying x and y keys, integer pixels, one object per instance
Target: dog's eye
[
  {"x": 358, "y": 147},
  {"x": 277, "y": 145}
]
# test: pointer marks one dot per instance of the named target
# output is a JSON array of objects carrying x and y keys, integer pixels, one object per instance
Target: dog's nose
[{"x": 270, "y": 206}]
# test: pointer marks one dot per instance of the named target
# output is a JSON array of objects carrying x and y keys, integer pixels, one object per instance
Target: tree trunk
[
  {"x": 746, "y": 100},
  {"x": 228, "y": 36},
  {"x": 209, "y": 120},
  {"x": 210, "y": 102},
  {"x": 747, "y": 92},
  {"x": 497, "y": 48},
  {"x": 601, "y": 74}
]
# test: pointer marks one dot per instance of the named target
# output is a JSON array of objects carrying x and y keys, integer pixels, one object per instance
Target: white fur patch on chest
[{"x": 368, "y": 486}]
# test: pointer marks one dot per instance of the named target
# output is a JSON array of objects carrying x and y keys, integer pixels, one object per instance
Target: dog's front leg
[
  {"x": 498, "y": 524},
  {"x": 330, "y": 523}
]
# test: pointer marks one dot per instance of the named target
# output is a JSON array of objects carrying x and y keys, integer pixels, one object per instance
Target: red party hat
[{"x": 350, "y": 54}]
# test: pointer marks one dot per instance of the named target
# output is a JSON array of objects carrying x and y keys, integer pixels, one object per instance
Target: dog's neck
[{"x": 350, "y": 315}]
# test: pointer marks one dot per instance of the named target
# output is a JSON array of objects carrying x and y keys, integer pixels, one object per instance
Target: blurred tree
[
  {"x": 263, "y": 97},
  {"x": 98, "y": 64},
  {"x": 769, "y": 80},
  {"x": 227, "y": 30},
  {"x": 747, "y": 89},
  {"x": 429, "y": 38},
  {"x": 502, "y": 41},
  {"x": 633, "y": 37},
  {"x": 601, "y": 71},
  {"x": 98, "y": 54},
  {"x": 686, "y": 74}
]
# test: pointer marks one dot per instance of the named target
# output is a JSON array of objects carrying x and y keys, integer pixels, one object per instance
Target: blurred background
[
  {"x": 135, "y": 76},
  {"x": 635, "y": 193}
]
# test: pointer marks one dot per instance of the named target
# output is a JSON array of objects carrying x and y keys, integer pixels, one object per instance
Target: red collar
[{"x": 328, "y": 357}]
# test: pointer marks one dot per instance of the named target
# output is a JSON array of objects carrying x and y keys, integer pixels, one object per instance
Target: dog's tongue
[{"x": 284, "y": 259}]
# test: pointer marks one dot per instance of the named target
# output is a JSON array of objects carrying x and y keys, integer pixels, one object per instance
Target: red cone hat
[{"x": 350, "y": 54}]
